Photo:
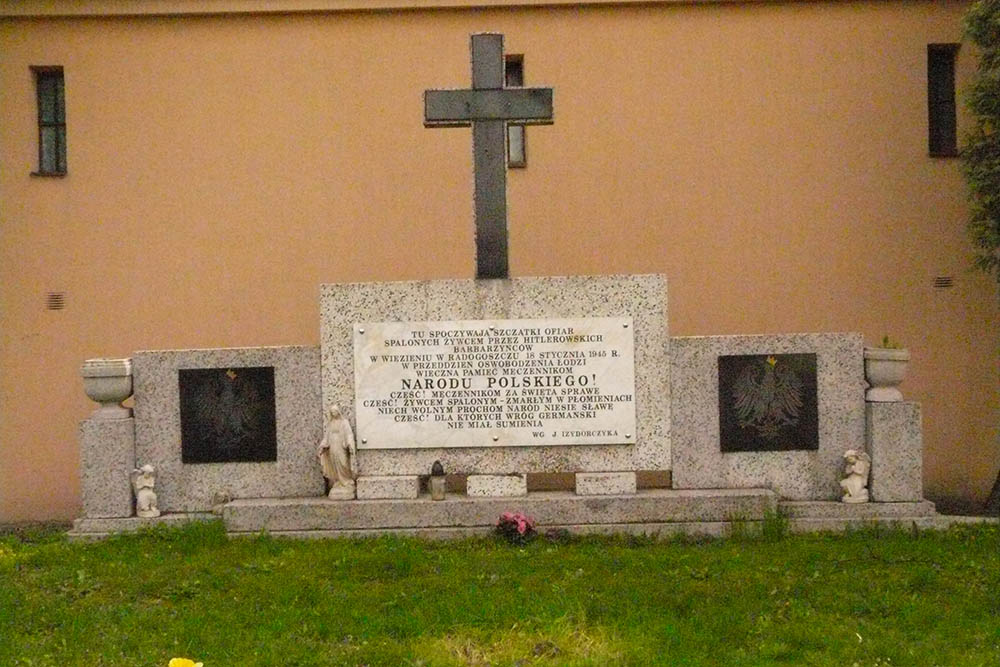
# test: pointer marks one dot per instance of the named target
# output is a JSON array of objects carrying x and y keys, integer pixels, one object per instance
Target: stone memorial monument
[{"x": 505, "y": 383}]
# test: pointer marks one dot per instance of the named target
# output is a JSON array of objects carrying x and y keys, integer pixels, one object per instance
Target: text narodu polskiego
[{"x": 495, "y": 383}]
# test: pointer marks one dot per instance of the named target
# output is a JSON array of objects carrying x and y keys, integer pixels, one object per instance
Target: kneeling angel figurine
[
  {"x": 855, "y": 482},
  {"x": 143, "y": 481}
]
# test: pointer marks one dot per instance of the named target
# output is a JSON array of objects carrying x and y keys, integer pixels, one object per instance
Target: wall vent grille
[
  {"x": 944, "y": 282},
  {"x": 55, "y": 300}
]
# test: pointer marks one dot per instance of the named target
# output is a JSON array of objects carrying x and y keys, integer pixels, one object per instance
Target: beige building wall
[{"x": 770, "y": 158}]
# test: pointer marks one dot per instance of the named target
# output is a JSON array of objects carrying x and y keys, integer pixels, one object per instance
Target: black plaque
[
  {"x": 227, "y": 415},
  {"x": 767, "y": 403}
]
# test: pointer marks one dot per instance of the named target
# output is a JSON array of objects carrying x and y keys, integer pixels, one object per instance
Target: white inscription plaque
[{"x": 494, "y": 383}]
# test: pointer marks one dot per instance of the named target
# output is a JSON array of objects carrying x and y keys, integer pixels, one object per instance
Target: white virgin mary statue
[{"x": 338, "y": 454}]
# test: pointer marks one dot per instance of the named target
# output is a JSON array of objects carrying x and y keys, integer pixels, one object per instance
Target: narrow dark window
[
  {"x": 51, "y": 120},
  {"x": 514, "y": 78},
  {"x": 942, "y": 134}
]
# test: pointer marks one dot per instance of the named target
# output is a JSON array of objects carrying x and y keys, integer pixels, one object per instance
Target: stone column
[
  {"x": 894, "y": 438},
  {"x": 107, "y": 458},
  {"x": 107, "y": 440}
]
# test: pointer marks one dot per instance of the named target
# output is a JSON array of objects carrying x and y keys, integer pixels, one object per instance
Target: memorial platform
[
  {"x": 654, "y": 512},
  {"x": 457, "y": 515}
]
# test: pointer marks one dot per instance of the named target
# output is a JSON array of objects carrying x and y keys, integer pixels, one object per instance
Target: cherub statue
[
  {"x": 338, "y": 455},
  {"x": 855, "y": 483},
  {"x": 143, "y": 481}
]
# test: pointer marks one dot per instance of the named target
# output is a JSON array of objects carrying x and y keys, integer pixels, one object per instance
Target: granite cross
[{"x": 488, "y": 106}]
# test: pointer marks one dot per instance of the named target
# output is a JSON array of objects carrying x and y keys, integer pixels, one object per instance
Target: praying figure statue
[
  {"x": 855, "y": 482},
  {"x": 143, "y": 481},
  {"x": 338, "y": 455}
]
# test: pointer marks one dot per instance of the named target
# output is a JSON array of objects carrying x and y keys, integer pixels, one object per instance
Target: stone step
[
  {"x": 831, "y": 525},
  {"x": 665, "y": 529},
  {"x": 93, "y": 528},
  {"x": 549, "y": 509},
  {"x": 835, "y": 510},
  {"x": 691, "y": 528}
]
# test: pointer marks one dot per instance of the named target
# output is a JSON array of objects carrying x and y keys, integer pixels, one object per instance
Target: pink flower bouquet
[{"x": 515, "y": 527}]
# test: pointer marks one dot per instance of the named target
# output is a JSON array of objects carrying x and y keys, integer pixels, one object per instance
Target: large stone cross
[{"x": 489, "y": 107}]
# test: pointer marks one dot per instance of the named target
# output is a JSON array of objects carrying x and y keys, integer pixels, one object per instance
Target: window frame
[
  {"x": 513, "y": 77},
  {"x": 942, "y": 116},
  {"x": 58, "y": 123}
]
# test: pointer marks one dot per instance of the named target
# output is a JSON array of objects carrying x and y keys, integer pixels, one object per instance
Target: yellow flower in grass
[{"x": 184, "y": 662}]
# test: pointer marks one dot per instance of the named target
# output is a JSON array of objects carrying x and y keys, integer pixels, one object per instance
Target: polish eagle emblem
[
  {"x": 767, "y": 395},
  {"x": 229, "y": 406}
]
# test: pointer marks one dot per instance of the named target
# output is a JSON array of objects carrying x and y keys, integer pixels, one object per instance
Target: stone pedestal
[
  {"x": 605, "y": 483},
  {"x": 388, "y": 486},
  {"x": 497, "y": 485},
  {"x": 895, "y": 443},
  {"x": 107, "y": 458}
]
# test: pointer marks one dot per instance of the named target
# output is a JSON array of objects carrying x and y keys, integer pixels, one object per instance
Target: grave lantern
[{"x": 437, "y": 481}]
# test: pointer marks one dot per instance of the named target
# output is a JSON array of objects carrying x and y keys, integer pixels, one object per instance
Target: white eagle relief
[{"x": 767, "y": 396}]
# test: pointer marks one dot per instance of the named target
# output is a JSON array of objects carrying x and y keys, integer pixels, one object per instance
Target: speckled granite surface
[
  {"x": 497, "y": 486},
  {"x": 895, "y": 444},
  {"x": 825, "y": 509},
  {"x": 191, "y": 487},
  {"x": 799, "y": 475},
  {"x": 605, "y": 483},
  {"x": 551, "y": 508},
  {"x": 644, "y": 297},
  {"x": 107, "y": 458},
  {"x": 387, "y": 486}
]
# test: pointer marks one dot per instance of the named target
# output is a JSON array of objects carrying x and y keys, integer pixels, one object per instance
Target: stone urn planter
[
  {"x": 108, "y": 382},
  {"x": 885, "y": 369}
]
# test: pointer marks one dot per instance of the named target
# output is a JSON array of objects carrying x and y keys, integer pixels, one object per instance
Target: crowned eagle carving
[{"x": 767, "y": 395}]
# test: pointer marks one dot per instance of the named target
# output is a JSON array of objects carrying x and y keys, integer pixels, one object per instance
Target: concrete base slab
[
  {"x": 843, "y": 525},
  {"x": 697, "y": 529},
  {"x": 88, "y": 529},
  {"x": 933, "y": 522},
  {"x": 550, "y": 509},
  {"x": 828, "y": 517},
  {"x": 824, "y": 509},
  {"x": 651, "y": 512},
  {"x": 809, "y": 516},
  {"x": 692, "y": 528}
]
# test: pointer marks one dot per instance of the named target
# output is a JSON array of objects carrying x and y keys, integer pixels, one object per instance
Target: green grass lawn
[{"x": 866, "y": 598}]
